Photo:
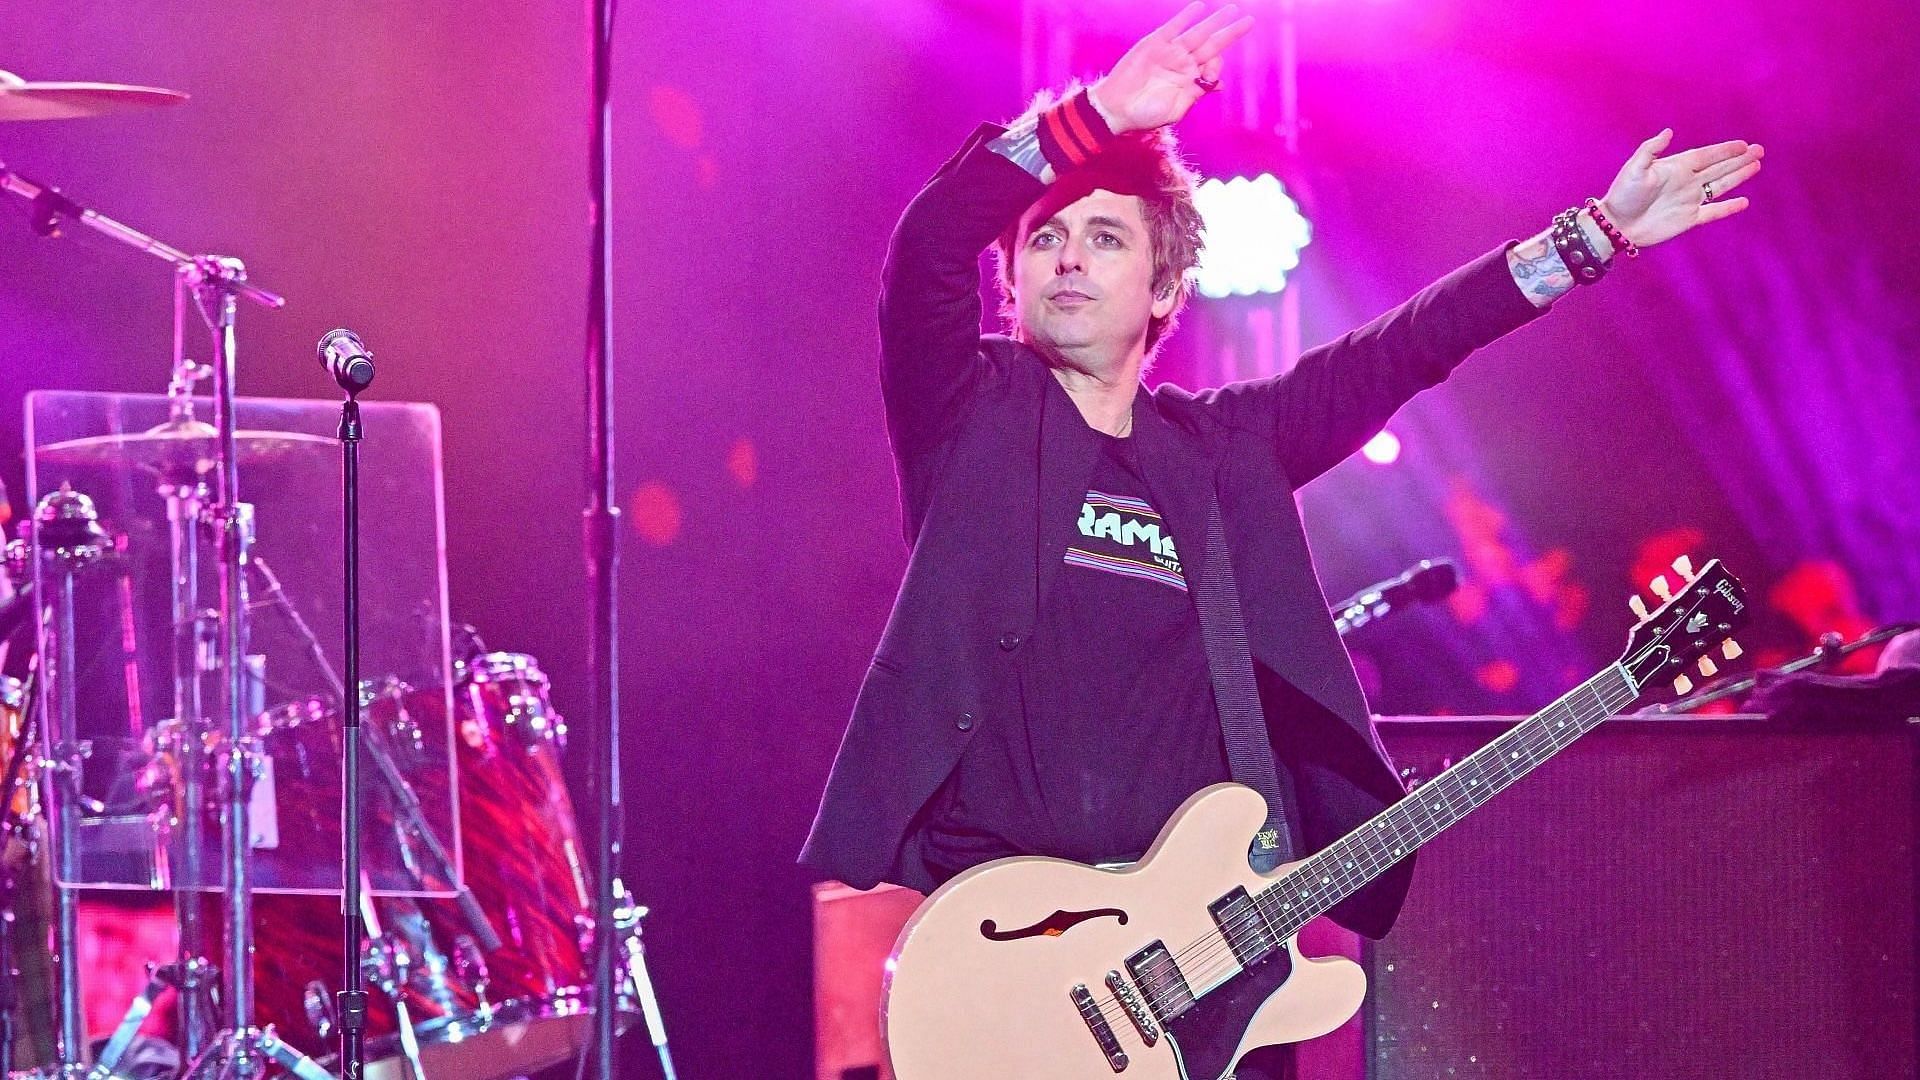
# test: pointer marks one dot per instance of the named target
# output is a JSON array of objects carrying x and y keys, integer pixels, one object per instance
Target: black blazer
[{"x": 993, "y": 460}]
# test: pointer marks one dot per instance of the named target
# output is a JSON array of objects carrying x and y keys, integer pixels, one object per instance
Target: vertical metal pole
[
  {"x": 353, "y": 996},
  {"x": 217, "y": 299},
  {"x": 62, "y": 773},
  {"x": 1289, "y": 336},
  {"x": 603, "y": 558},
  {"x": 184, "y": 499}
]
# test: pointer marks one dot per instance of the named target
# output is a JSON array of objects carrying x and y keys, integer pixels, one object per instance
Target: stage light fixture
[{"x": 1254, "y": 233}]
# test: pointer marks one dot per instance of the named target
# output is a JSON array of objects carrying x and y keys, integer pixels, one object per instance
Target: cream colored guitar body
[{"x": 982, "y": 980}]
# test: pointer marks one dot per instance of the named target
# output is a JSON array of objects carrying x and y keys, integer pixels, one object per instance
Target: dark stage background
[{"x": 417, "y": 171}]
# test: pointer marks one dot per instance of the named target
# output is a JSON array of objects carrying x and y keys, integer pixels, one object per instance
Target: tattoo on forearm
[
  {"x": 1539, "y": 271},
  {"x": 1021, "y": 145}
]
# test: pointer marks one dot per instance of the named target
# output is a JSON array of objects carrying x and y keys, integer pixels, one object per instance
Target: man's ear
[{"x": 1165, "y": 299}]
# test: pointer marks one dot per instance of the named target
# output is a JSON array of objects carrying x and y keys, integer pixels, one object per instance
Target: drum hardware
[
  {"x": 626, "y": 923},
  {"x": 387, "y": 962},
  {"x": 215, "y": 285},
  {"x": 68, "y": 537}
]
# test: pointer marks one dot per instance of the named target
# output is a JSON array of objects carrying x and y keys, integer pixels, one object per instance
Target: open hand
[
  {"x": 1156, "y": 82},
  {"x": 1657, "y": 198}
]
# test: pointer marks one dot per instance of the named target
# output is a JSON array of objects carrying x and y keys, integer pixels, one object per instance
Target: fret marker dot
[{"x": 1515, "y": 755}]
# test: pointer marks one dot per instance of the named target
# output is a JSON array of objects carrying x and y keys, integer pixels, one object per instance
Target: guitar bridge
[
  {"x": 1097, "y": 1023},
  {"x": 1136, "y": 1009}
]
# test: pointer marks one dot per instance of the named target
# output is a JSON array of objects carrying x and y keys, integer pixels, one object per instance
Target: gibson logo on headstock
[{"x": 1726, "y": 590}]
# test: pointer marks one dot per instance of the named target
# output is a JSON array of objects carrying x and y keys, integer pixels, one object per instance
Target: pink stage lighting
[{"x": 1382, "y": 449}]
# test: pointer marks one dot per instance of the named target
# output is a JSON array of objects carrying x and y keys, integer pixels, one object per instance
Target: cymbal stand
[
  {"x": 68, "y": 538},
  {"x": 185, "y": 494}
]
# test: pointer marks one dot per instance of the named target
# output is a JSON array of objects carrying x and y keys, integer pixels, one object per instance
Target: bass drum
[{"x": 475, "y": 1014}]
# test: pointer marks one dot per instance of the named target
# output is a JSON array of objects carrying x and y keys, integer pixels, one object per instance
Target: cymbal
[
  {"x": 174, "y": 448},
  {"x": 23, "y": 100}
]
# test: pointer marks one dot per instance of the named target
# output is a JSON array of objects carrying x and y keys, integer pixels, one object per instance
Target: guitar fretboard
[{"x": 1348, "y": 864}]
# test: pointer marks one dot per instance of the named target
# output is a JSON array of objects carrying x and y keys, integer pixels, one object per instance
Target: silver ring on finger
[
  {"x": 1205, "y": 84},
  {"x": 1706, "y": 193}
]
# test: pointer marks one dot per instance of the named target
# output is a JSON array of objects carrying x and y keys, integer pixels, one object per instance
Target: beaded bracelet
[
  {"x": 1620, "y": 241},
  {"x": 1073, "y": 132},
  {"x": 1581, "y": 260}
]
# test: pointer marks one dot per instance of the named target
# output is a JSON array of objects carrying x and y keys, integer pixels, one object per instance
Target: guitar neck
[{"x": 1347, "y": 865}]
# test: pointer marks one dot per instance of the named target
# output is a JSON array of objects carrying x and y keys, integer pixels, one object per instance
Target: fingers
[
  {"x": 1707, "y": 156},
  {"x": 1218, "y": 41},
  {"x": 1714, "y": 211},
  {"x": 1652, "y": 147},
  {"x": 1182, "y": 19},
  {"x": 1192, "y": 38},
  {"x": 1210, "y": 70},
  {"x": 1714, "y": 174},
  {"x": 1734, "y": 179}
]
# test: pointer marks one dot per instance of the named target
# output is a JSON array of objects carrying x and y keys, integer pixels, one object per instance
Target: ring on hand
[
  {"x": 1206, "y": 85},
  {"x": 1706, "y": 193}
]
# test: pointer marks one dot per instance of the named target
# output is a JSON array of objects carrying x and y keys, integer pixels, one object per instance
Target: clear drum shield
[{"x": 137, "y": 739}]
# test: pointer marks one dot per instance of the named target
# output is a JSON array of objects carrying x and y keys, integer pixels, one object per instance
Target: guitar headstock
[{"x": 1681, "y": 635}]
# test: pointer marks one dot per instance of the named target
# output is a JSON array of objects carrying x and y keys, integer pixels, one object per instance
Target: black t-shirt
[{"x": 1118, "y": 725}]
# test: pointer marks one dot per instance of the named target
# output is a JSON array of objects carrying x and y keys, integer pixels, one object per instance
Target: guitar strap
[{"x": 1223, "y": 633}]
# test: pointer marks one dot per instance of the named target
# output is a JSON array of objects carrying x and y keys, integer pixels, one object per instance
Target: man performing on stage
[{"x": 1104, "y": 576}]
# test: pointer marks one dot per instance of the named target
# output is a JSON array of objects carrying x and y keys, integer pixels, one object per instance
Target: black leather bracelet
[{"x": 1576, "y": 251}]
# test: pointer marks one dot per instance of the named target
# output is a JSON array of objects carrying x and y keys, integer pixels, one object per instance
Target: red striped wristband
[{"x": 1072, "y": 132}]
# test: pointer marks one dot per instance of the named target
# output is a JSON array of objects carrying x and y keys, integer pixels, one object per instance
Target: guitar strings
[{"x": 1202, "y": 960}]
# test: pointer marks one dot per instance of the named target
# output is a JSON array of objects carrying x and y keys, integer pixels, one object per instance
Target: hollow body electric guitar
[{"x": 1180, "y": 964}]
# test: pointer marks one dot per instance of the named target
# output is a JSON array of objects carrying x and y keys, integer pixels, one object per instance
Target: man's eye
[
  {"x": 1044, "y": 239},
  {"x": 1106, "y": 239}
]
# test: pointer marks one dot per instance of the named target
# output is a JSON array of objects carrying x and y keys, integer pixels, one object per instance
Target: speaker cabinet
[{"x": 1668, "y": 898}]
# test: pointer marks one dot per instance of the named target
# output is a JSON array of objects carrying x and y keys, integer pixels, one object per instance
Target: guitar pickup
[
  {"x": 1097, "y": 1023},
  {"x": 1162, "y": 986},
  {"x": 1244, "y": 926}
]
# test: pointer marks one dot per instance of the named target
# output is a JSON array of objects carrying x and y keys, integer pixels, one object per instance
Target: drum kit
[{"x": 475, "y": 897}]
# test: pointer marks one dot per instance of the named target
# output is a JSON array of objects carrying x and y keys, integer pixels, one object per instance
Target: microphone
[
  {"x": 1427, "y": 581},
  {"x": 346, "y": 358}
]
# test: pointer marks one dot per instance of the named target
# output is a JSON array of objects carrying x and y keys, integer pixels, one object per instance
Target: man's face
[{"x": 1083, "y": 273}]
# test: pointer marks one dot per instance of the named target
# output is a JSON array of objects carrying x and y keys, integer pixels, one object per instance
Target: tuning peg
[
  {"x": 1708, "y": 668},
  {"x": 1682, "y": 685},
  {"x": 1638, "y": 605},
  {"x": 1684, "y": 567},
  {"x": 1730, "y": 649},
  {"x": 1660, "y": 587}
]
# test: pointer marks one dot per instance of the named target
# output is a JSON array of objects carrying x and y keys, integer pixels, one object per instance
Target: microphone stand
[
  {"x": 353, "y": 998},
  {"x": 1831, "y": 650}
]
